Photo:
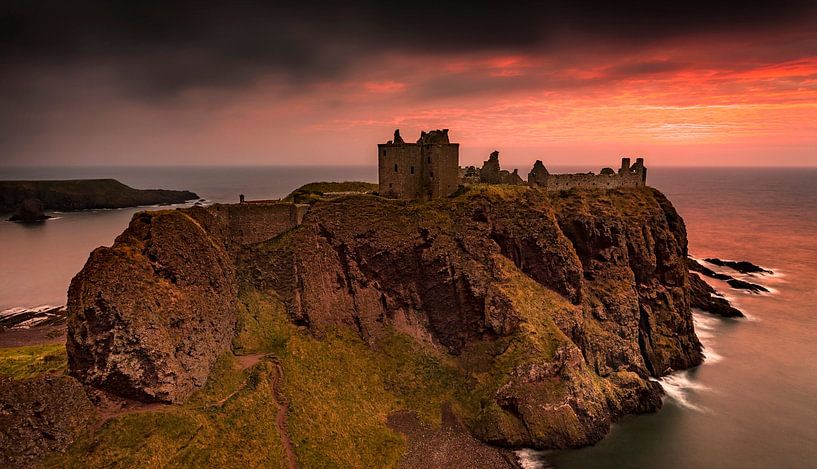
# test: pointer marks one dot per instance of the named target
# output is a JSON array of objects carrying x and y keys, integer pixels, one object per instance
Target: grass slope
[
  {"x": 312, "y": 192},
  {"x": 31, "y": 361}
]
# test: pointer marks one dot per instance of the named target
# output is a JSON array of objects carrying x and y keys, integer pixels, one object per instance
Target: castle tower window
[
  {"x": 412, "y": 170},
  {"x": 432, "y": 174},
  {"x": 429, "y": 159},
  {"x": 384, "y": 152},
  {"x": 395, "y": 168}
]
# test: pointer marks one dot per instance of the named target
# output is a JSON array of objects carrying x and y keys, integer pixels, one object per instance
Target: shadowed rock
[
  {"x": 743, "y": 267},
  {"x": 732, "y": 281},
  {"x": 149, "y": 316},
  {"x": 39, "y": 416},
  {"x": 704, "y": 297},
  {"x": 29, "y": 211}
]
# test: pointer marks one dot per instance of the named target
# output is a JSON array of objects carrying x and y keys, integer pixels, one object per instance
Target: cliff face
[
  {"x": 551, "y": 311},
  {"x": 486, "y": 276},
  {"x": 83, "y": 194}
]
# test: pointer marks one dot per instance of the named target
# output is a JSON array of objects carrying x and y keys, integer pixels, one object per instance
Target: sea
[{"x": 752, "y": 404}]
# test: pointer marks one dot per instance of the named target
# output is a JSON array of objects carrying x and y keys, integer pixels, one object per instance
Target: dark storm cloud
[{"x": 161, "y": 48}]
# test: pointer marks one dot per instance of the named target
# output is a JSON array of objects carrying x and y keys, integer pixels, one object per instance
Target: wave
[
  {"x": 705, "y": 329},
  {"x": 531, "y": 459},
  {"x": 32, "y": 309},
  {"x": 24, "y": 318},
  {"x": 680, "y": 387}
]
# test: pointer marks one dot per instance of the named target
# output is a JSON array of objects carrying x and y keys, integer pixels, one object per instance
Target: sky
[{"x": 321, "y": 83}]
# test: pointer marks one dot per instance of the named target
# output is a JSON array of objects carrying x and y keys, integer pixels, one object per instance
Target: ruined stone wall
[
  {"x": 441, "y": 169},
  {"x": 560, "y": 182},
  {"x": 255, "y": 222},
  {"x": 400, "y": 170},
  {"x": 634, "y": 175},
  {"x": 418, "y": 170}
]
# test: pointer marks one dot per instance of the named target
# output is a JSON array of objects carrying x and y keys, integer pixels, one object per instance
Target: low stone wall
[
  {"x": 561, "y": 182},
  {"x": 250, "y": 223}
]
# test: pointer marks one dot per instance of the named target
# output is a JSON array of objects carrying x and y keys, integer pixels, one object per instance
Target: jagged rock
[
  {"x": 29, "y": 211},
  {"x": 39, "y": 416},
  {"x": 704, "y": 297},
  {"x": 733, "y": 282},
  {"x": 149, "y": 316},
  {"x": 744, "y": 285},
  {"x": 696, "y": 266},
  {"x": 743, "y": 267}
]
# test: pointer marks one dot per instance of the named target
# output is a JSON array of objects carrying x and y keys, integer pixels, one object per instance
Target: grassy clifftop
[
  {"x": 81, "y": 194},
  {"x": 391, "y": 333},
  {"x": 314, "y": 191}
]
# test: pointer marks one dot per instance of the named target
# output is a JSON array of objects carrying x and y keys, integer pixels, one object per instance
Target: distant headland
[{"x": 84, "y": 194}]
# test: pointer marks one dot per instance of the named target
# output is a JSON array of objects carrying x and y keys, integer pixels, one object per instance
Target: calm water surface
[{"x": 752, "y": 404}]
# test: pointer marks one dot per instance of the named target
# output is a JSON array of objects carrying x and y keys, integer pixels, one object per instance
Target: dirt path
[
  {"x": 281, "y": 419},
  {"x": 281, "y": 402}
]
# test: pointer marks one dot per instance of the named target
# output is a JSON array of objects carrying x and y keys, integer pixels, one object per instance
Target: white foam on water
[
  {"x": 705, "y": 329},
  {"x": 530, "y": 458},
  {"x": 680, "y": 387},
  {"x": 34, "y": 309}
]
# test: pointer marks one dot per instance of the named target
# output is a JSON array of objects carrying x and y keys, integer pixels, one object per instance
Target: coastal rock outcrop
[
  {"x": 556, "y": 309},
  {"x": 704, "y": 297},
  {"x": 744, "y": 267},
  {"x": 149, "y": 316},
  {"x": 499, "y": 269},
  {"x": 733, "y": 282},
  {"x": 29, "y": 211},
  {"x": 84, "y": 194}
]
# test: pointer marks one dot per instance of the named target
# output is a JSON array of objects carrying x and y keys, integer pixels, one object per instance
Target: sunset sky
[{"x": 681, "y": 83}]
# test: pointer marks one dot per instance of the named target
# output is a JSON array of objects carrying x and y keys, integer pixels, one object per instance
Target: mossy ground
[
  {"x": 231, "y": 422},
  {"x": 31, "y": 361},
  {"x": 312, "y": 192}
]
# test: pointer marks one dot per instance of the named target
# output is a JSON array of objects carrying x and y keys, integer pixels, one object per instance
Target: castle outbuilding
[{"x": 422, "y": 170}]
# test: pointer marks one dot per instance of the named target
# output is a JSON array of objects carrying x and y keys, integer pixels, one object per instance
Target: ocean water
[{"x": 753, "y": 403}]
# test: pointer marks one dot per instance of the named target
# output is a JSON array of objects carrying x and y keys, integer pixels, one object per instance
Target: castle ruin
[
  {"x": 422, "y": 170},
  {"x": 430, "y": 168}
]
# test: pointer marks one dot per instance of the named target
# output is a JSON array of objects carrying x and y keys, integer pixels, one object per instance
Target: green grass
[
  {"x": 240, "y": 432},
  {"x": 312, "y": 192},
  {"x": 31, "y": 361}
]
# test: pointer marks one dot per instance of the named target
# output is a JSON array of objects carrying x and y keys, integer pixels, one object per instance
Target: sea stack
[{"x": 29, "y": 211}]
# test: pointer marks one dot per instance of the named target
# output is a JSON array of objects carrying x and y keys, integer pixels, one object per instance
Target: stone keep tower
[{"x": 422, "y": 170}]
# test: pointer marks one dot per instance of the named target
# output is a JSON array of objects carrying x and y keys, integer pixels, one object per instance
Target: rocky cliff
[
  {"x": 149, "y": 316},
  {"x": 536, "y": 318}
]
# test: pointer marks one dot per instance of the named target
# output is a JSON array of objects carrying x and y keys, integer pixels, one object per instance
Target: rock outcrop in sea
[
  {"x": 370, "y": 332},
  {"x": 556, "y": 309},
  {"x": 29, "y": 211}
]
